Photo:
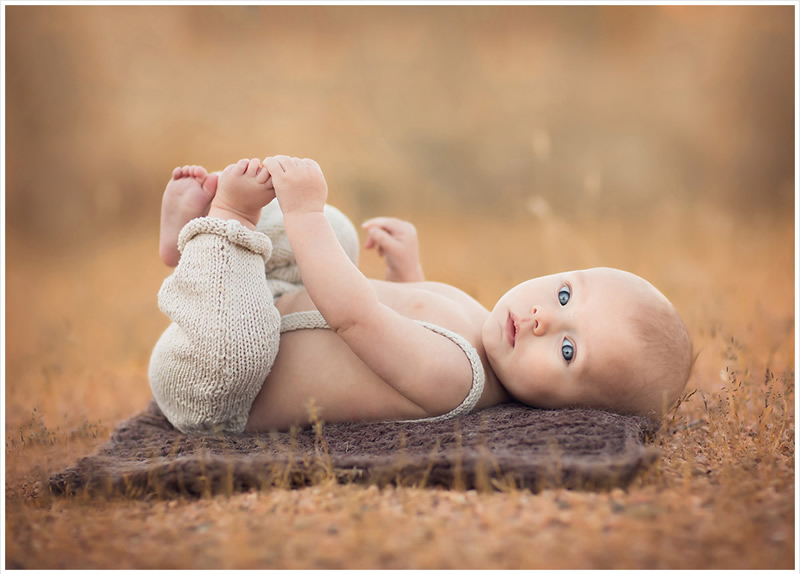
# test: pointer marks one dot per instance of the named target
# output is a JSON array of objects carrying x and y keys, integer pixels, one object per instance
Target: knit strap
[
  {"x": 303, "y": 320},
  {"x": 315, "y": 320},
  {"x": 478, "y": 374}
]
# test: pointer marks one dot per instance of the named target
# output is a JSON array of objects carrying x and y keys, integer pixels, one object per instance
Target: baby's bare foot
[
  {"x": 188, "y": 195},
  {"x": 244, "y": 188}
]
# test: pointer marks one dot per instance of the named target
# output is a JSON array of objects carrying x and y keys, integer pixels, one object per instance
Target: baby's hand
[
  {"x": 299, "y": 184},
  {"x": 396, "y": 240}
]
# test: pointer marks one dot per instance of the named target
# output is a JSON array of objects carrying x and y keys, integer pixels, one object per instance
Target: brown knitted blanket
[{"x": 500, "y": 447}]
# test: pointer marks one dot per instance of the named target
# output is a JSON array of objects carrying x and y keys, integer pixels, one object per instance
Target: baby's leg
[
  {"x": 188, "y": 195},
  {"x": 245, "y": 188},
  {"x": 211, "y": 362}
]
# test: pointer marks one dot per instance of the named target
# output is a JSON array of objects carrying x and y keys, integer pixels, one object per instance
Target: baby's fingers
[
  {"x": 273, "y": 166},
  {"x": 378, "y": 237},
  {"x": 385, "y": 222},
  {"x": 392, "y": 225},
  {"x": 312, "y": 164}
]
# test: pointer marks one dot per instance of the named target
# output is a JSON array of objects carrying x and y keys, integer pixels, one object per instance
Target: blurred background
[
  {"x": 487, "y": 110},
  {"x": 521, "y": 140}
]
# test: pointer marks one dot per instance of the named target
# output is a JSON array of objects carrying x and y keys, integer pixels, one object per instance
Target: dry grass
[{"x": 722, "y": 495}]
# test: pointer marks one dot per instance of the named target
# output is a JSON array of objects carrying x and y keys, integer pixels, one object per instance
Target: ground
[{"x": 81, "y": 320}]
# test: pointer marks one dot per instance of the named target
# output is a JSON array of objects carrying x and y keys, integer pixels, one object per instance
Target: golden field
[{"x": 521, "y": 141}]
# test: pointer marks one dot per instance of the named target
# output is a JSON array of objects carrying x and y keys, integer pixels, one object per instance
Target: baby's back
[{"x": 316, "y": 369}]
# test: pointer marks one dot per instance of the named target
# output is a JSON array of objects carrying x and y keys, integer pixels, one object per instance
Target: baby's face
[{"x": 567, "y": 339}]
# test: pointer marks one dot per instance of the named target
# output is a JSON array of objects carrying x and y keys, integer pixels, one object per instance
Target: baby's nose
[{"x": 539, "y": 320}]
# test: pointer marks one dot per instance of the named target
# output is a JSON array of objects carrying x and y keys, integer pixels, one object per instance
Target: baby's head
[{"x": 600, "y": 338}]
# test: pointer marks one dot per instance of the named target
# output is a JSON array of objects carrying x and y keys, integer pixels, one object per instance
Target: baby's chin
[
  {"x": 551, "y": 394},
  {"x": 530, "y": 394}
]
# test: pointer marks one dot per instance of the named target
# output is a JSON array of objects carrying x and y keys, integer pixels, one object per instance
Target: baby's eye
[
  {"x": 567, "y": 350},
  {"x": 563, "y": 295}
]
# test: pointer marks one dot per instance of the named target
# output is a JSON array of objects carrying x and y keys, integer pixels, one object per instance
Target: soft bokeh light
[{"x": 465, "y": 109}]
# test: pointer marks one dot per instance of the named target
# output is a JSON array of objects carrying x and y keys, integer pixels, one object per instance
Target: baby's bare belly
[{"x": 316, "y": 371}]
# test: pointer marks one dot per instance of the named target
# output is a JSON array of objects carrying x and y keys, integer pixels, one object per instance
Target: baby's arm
[
  {"x": 396, "y": 240},
  {"x": 423, "y": 366}
]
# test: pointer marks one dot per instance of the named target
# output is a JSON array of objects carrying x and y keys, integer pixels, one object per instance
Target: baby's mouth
[{"x": 511, "y": 329}]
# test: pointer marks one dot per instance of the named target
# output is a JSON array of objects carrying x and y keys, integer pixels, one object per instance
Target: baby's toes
[
  {"x": 262, "y": 175},
  {"x": 199, "y": 172},
  {"x": 237, "y": 168},
  {"x": 241, "y": 166},
  {"x": 210, "y": 183},
  {"x": 252, "y": 167}
]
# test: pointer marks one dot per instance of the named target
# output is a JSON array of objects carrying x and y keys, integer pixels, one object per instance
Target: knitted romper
[{"x": 210, "y": 363}]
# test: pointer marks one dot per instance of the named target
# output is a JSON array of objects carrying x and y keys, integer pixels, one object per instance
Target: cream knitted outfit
[{"x": 210, "y": 363}]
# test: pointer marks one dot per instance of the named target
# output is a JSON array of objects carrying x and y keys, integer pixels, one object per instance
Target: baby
[{"x": 251, "y": 346}]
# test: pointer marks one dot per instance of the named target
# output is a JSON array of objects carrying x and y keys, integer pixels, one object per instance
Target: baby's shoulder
[
  {"x": 453, "y": 293},
  {"x": 455, "y": 310}
]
